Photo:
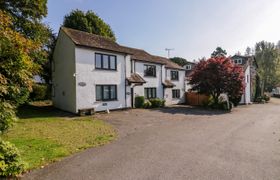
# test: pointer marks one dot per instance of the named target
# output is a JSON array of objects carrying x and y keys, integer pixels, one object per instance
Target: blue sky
[{"x": 194, "y": 28}]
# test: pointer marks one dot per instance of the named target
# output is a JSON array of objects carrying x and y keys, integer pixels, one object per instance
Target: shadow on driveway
[{"x": 190, "y": 110}]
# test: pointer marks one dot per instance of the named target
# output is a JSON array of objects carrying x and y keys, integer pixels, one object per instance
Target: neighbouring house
[
  {"x": 189, "y": 68},
  {"x": 249, "y": 66},
  {"x": 93, "y": 72},
  {"x": 276, "y": 90}
]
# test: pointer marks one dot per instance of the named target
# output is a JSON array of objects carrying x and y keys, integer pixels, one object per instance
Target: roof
[
  {"x": 136, "y": 78},
  {"x": 246, "y": 60},
  {"x": 141, "y": 55},
  {"x": 168, "y": 63},
  {"x": 168, "y": 84},
  {"x": 94, "y": 41},
  {"x": 81, "y": 38}
]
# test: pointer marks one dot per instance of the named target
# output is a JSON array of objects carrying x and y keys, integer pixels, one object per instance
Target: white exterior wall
[
  {"x": 86, "y": 73},
  {"x": 178, "y": 85},
  {"x": 246, "y": 97},
  {"x": 151, "y": 82},
  {"x": 187, "y": 86},
  {"x": 63, "y": 67}
]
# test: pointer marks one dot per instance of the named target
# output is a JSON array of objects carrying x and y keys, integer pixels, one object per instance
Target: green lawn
[{"x": 44, "y": 134}]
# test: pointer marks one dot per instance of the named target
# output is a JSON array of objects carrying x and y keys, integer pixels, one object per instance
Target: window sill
[
  {"x": 150, "y": 76},
  {"x": 100, "y": 101},
  {"x": 97, "y": 69}
]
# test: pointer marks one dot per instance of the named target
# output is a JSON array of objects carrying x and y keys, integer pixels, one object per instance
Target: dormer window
[
  {"x": 189, "y": 67},
  {"x": 238, "y": 61}
]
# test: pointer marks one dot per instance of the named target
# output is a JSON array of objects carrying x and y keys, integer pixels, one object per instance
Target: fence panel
[{"x": 195, "y": 99}]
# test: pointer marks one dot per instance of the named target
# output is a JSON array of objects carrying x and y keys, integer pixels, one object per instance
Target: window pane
[
  {"x": 154, "y": 92},
  {"x": 98, "y": 93},
  {"x": 106, "y": 92},
  {"x": 112, "y": 62},
  {"x": 113, "y": 92},
  {"x": 97, "y": 60},
  {"x": 105, "y": 62}
]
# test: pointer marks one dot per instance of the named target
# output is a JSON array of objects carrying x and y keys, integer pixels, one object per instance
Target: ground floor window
[
  {"x": 106, "y": 92},
  {"x": 176, "y": 93},
  {"x": 150, "y": 93}
]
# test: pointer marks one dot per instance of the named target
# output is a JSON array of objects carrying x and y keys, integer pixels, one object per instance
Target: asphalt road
[{"x": 181, "y": 143}]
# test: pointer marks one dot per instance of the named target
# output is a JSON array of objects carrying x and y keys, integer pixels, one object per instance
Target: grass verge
[{"x": 44, "y": 134}]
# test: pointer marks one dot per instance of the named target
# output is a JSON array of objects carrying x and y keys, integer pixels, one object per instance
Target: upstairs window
[
  {"x": 174, "y": 75},
  {"x": 106, "y": 62},
  {"x": 176, "y": 93},
  {"x": 188, "y": 67},
  {"x": 150, "y": 70},
  {"x": 238, "y": 61},
  {"x": 150, "y": 93}
]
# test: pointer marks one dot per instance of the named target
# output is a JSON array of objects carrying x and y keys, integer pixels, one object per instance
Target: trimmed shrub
[
  {"x": 156, "y": 103},
  {"x": 139, "y": 101},
  {"x": 10, "y": 162},
  {"x": 39, "y": 92},
  {"x": 147, "y": 105}
]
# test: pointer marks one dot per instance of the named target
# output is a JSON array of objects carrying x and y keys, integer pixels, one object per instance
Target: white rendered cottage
[
  {"x": 91, "y": 71},
  {"x": 249, "y": 66}
]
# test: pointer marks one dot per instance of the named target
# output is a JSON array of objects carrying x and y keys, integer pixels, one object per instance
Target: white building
[
  {"x": 93, "y": 72},
  {"x": 249, "y": 66}
]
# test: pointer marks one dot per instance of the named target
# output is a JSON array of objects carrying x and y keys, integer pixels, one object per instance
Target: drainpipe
[{"x": 125, "y": 80}]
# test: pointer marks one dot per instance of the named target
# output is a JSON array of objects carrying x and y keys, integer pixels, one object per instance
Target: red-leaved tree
[{"x": 216, "y": 76}]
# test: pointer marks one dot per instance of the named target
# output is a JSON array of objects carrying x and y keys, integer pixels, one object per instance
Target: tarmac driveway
[{"x": 181, "y": 143}]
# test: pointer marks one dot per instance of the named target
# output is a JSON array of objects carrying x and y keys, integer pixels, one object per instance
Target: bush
[
  {"x": 7, "y": 116},
  {"x": 10, "y": 162},
  {"x": 139, "y": 101},
  {"x": 39, "y": 92},
  {"x": 266, "y": 97},
  {"x": 259, "y": 100},
  {"x": 222, "y": 104},
  {"x": 156, "y": 103},
  {"x": 147, "y": 104},
  {"x": 235, "y": 101}
]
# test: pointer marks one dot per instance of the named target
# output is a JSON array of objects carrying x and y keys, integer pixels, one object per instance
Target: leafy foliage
[
  {"x": 16, "y": 69},
  {"x": 268, "y": 59},
  {"x": 39, "y": 92},
  {"x": 216, "y": 76},
  {"x": 88, "y": 22},
  {"x": 180, "y": 61},
  {"x": 10, "y": 162},
  {"x": 156, "y": 103},
  {"x": 26, "y": 16},
  {"x": 7, "y": 116},
  {"x": 139, "y": 101},
  {"x": 219, "y": 52}
]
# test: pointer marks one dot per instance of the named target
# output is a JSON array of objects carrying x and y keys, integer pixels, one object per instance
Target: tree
[
  {"x": 248, "y": 51},
  {"x": 180, "y": 61},
  {"x": 219, "y": 52},
  {"x": 88, "y": 22},
  {"x": 26, "y": 19},
  {"x": 216, "y": 76},
  {"x": 268, "y": 56},
  {"x": 16, "y": 69}
]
